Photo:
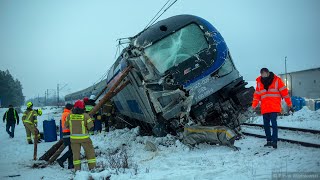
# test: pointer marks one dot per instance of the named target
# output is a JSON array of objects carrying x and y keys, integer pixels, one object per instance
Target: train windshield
[{"x": 176, "y": 48}]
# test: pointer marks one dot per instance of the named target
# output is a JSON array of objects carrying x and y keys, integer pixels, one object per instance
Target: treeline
[{"x": 10, "y": 90}]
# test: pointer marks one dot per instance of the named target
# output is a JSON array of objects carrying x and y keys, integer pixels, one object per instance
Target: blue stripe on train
[
  {"x": 222, "y": 52},
  {"x": 134, "y": 106}
]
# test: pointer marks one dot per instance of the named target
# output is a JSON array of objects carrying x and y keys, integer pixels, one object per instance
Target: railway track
[
  {"x": 304, "y": 137},
  {"x": 286, "y": 128}
]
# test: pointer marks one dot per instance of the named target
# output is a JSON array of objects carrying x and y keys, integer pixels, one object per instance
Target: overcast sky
[{"x": 43, "y": 43}]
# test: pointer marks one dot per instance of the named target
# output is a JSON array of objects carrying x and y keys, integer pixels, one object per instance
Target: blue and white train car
[{"x": 182, "y": 74}]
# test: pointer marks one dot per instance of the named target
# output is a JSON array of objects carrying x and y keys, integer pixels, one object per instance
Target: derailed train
[{"x": 182, "y": 75}]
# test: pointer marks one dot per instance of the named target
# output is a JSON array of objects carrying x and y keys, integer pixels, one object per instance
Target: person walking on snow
[
  {"x": 269, "y": 91},
  {"x": 12, "y": 117}
]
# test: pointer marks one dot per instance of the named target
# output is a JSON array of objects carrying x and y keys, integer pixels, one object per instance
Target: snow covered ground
[
  {"x": 171, "y": 160},
  {"x": 303, "y": 118}
]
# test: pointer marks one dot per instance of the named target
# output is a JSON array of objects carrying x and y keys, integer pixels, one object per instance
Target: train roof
[
  {"x": 94, "y": 89},
  {"x": 164, "y": 28}
]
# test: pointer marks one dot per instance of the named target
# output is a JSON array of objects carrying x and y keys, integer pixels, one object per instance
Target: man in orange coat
[
  {"x": 66, "y": 138},
  {"x": 270, "y": 90}
]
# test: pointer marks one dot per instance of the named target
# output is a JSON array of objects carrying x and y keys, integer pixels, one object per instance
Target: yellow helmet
[{"x": 29, "y": 104}]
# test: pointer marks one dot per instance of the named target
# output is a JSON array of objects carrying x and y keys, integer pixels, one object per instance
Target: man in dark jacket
[{"x": 12, "y": 117}]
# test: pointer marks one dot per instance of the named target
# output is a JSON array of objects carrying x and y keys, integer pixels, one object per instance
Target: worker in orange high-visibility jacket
[
  {"x": 80, "y": 123},
  {"x": 66, "y": 138},
  {"x": 269, "y": 91}
]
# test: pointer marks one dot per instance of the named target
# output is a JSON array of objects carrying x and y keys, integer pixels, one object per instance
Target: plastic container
[
  {"x": 317, "y": 104},
  {"x": 302, "y": 102},
  {"x": 296, "y": 103},
  {"x": 49, "y": 131},
  {"x": 311, "y": 104}
]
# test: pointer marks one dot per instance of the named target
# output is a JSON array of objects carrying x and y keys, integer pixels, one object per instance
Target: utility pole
[
  {"x": 47, "y": 95},
  {"x": 45, "y": 98},
  {"x": 58, "y": 90},
  {"x": 285, "y": 69},
  {"x": 58, "y": 94}
]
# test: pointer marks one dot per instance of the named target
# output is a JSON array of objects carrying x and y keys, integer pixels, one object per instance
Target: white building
[{"x": 305, "y": 83}]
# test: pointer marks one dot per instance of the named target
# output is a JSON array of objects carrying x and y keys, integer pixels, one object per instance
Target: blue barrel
[
  {"x": 49, "y": 131},
  {"x": 317, "y": 105},
  {"x": 302, "y": 102},
  {"x": 296, "y": 103}
]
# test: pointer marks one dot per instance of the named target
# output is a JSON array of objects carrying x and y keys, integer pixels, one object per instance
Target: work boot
[
  {"x": 30, "y": 142},
  {"x": 39, "y": 141},
  {"x": 268, "y": 144},
  {"x": 60, "y": 163},
  {"x": 274, "y": 145},
  {"x": 70, "y": 167}
]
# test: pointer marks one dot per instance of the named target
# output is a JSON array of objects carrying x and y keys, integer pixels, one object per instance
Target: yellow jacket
[{"x": 79, "y": 125}]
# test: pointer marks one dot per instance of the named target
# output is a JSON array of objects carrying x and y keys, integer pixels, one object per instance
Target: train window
[
  {"x": 117, "y": 68},
  {"x": 110, "y": 73},
  {"x": 177, "y": 47},
  {"x": 226, "y": 68}
]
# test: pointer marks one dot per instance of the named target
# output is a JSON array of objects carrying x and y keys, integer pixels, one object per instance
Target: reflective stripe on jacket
[
  {"x": 11, "y": 115},
  {"x": 79, "y": 125},
  {"x": 64, "y": 115},
  {"x": 271, "y": 99},
  {"x": 30, "y": 116}
]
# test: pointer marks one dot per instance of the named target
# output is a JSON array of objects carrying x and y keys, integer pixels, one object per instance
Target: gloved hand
[
  {"x": 39, "y": 111},
  {"x": 252, "y": 109},
  {"x": 291, "y": 110}
]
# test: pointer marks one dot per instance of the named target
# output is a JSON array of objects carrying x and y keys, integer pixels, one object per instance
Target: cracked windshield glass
[{"x": 176, "y": 48}]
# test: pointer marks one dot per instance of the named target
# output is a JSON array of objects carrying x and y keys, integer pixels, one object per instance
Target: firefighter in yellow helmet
[
  {"x": 79, "y": 124},
  {"x": 30, "y": 122}
]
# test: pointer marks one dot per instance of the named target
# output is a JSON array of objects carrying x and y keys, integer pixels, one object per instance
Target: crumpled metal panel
[
  {"x": 172, "y": 104},
  {"x": 211, "y": 134}
]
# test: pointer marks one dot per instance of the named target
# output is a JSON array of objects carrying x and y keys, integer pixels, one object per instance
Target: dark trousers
[
  {"x": 97, "y": 125},
  {"x": 68, "y": 155},
  {"x": 266, "y": 122},
  {"x": 8, "y": 126},
  {"x": 105, "y": 119}
]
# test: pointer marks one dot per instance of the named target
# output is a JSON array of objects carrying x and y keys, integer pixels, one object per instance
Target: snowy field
[{"x": 171, "y": 160}]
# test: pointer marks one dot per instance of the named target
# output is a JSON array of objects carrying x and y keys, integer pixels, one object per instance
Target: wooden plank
[
  {"x": 35, "y": 144},
  {"x": 110, "y": 93},
  {"x": 56, "y": 154},
  {"x": 51, "y": 151}
]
